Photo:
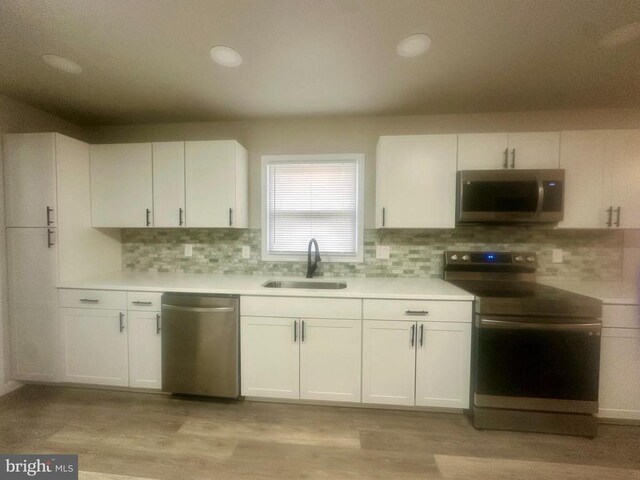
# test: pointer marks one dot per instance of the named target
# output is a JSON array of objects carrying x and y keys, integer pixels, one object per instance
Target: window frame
[{"x": 314, "y": 158}]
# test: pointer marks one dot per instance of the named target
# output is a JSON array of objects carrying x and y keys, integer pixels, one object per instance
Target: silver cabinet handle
[
  {"x": 610, "y": 216},
  {"x": 49, "y": 212},
  {"x": 302, "y": 332},
  {"x": 295, "y": 331},
  {"x": 148, "y": 217},
  {"x": 50, "y": 233},
  {"x": 384, "y": 211},
  {"x": 417, "y": 313},
  {"x": 121, "y": 322},
  {"x": 513, "y": 158},
  {"x": 89, "y": 300},
  {"x": 421, "y": 335},
  {"x": 231, "y": 217},
  {"x": 158, "y": 324},
  {"x": 197, "y": 309},
  {"x": 506, "y": 158},
  {"x": 618, "y": 216},
  {"x": 180, "y": 221},
  {"x": 413, "y": 335},
  {"x": 141, "y": 303}
]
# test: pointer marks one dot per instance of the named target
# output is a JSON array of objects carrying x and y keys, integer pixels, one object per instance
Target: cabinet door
[
  {"x": 121, "y": 185},
  {"x": 583, "y": 157},
  {"x": 625, "y": 193},
  {"x": 619, "y": 366},
  {"x": 168, "y": 184},
  {"x": 534, "y": 150},
  {"x": 30, "y": 179},
  {"x": 482, "y": 151},
  {"x": 145, "y": 359},
  {"x": 388, "y": 362},
  {"x": 330, "y": 357},
  {"x": 94, "y": 346},
  {"x": 33, "y": 312},
  {"x": 210, "y": 183},
  {"x": 270, "y": 357},
  {"x": 418, "y": 181},
  {"x": 443, "y": 364}
]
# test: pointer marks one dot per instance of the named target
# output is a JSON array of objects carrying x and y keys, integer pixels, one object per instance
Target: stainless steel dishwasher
[{"x": 200, "y": 344}]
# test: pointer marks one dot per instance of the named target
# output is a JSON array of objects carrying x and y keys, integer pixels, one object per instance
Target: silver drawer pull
[
  {"x": 89, "y": 300},
  {"x": 198, "y": 309},
  {"x": 422, "y": 313},
  {"x": 140, "y": 302}
]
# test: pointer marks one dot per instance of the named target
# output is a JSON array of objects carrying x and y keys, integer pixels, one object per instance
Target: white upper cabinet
[
  {"x": 493, "y": 151},
  {"x": 30, "y": 179},
  {"x": 622, "y": 178},
  {"x": 168, "y": 184},
  {"x": 121, "y": 185},
  {"x": 216, "y": 174},
  {"x": 602, "y": 175},
  {"x": 416, "y": 181}
]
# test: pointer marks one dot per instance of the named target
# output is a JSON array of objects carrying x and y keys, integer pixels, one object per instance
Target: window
[{"x": 312, "y": 196}]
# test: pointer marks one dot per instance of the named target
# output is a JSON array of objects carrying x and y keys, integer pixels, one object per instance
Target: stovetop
[{"x": 504, "y": 284}]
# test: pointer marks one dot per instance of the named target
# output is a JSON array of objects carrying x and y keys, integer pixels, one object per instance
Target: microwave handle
[{"x": 540, "y": 196}]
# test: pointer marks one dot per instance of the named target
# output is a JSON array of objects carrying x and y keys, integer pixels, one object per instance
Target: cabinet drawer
[
  {"x": 430, "y": 310},
  {"x": 301, "y": 307},
  {"x": 145, "y": 301},
  {"x": 621, "y": 316},
  {"x": 93, "y": 299}
]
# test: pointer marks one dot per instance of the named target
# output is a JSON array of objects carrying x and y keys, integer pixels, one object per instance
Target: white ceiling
[{"x": 148, "y": 60}]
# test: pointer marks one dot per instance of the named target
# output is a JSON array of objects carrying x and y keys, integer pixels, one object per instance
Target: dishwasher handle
[{"x": 198, "y": 309}]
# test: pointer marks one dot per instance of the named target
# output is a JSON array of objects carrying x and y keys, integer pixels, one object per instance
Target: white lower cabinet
[
  {"x": 270, "y": 357},
  {"x": 145, "y": 357},
  {"x": 314, "y": 359},
  {"x": 416, "y": 363},
  {"x": 388, "y": 362},
  {"x": 94, "y": 346},
  {"x": 619, "y": 366},
  {"x": 443, "y": 360}
]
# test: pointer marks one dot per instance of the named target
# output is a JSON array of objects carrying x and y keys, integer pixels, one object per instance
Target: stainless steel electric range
[{"x": 536, "y": 349}]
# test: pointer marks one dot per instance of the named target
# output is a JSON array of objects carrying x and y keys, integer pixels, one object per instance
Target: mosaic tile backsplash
[{"x": 588, "y": 254}]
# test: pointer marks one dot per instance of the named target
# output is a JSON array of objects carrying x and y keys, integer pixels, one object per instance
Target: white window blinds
[{"x": 312, "y": 199}]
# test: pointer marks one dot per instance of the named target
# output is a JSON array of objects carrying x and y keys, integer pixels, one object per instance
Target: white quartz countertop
[
  {"x": 357, "y": 287},
  {"x": 616, "y": 293}
]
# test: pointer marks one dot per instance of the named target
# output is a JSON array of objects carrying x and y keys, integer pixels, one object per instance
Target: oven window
[
  {"x": 537, "y": 364},
  {"x": 481, "y": 196}
]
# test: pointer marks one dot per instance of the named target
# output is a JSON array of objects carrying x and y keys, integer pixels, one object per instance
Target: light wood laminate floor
[{"x": 123, "y": 435}]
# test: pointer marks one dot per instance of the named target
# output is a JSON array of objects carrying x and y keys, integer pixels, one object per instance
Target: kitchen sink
[{"x": 304, "y": 284}]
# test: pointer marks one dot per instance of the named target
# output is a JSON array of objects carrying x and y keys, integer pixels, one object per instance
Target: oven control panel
[{"x": 490, "y": 258}]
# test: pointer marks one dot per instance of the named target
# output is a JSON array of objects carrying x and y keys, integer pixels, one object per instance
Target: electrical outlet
[
  {"x": 188, "y": 250},
  {"x": 246, "y": 252},
  {"x": 556, "y": 255},
  {"x": 382, "y": 252}
]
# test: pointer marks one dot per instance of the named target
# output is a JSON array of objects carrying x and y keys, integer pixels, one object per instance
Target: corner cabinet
[
  {"x": 494, "y": 151},
  {"x": 416, "y": 181},
  {"x": 601, "y": 178}
]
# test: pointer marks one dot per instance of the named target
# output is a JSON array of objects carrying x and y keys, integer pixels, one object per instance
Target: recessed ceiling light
[
  {"x": 225, "y": 56},
  {"x": 414, "y": 45},
  {"x": 62, "y": 63},
  {"x": 621, "y": 35}
]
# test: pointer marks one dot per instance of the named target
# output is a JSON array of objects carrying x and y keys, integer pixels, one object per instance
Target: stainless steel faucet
[{"x": 311, "y": 267}]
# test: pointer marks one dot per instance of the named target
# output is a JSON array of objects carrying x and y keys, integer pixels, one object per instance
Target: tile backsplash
[{"x": 587, "y": 254}]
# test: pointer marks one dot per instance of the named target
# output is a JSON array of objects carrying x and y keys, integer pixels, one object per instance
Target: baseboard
[{"x": 9, "y": 387}]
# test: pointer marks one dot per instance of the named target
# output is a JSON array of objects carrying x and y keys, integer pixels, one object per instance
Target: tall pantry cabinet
[{"x": 49, "y": 239}]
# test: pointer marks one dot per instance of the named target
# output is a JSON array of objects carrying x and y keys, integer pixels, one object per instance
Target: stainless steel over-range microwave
[{"x": 510, "y": 196}]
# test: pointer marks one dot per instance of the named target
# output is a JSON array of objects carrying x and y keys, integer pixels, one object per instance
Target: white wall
[
  {"x": 353, "y": 135},
  {"x": 16, "y": 117}
]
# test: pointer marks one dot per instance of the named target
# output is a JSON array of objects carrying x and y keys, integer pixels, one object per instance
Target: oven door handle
[
  {"x": 540, "y": 196},
  {"x": 570, "y": 327}
]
